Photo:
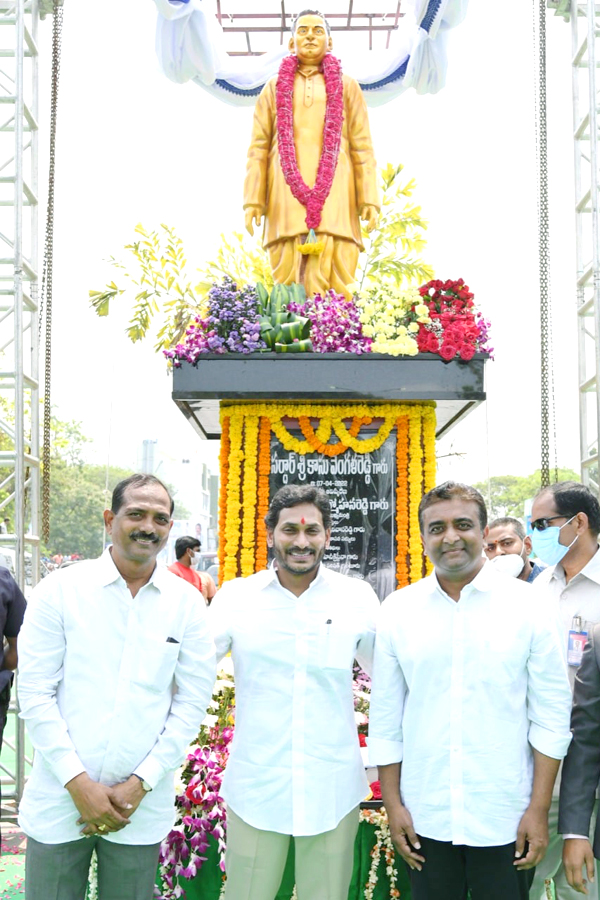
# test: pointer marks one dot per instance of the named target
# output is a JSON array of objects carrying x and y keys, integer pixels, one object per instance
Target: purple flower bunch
[
  {"x": 201, "y": 814},
  {"x": 335, "y": 324},
  {"x": 484, "y": 325},
  {"x": 231, "y": 326}
]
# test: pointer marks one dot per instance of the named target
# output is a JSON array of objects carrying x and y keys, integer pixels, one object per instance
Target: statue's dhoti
[{"x": 332, "y": 269}]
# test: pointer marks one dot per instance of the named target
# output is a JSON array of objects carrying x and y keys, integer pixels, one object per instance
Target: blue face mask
[{"x": 547, "y": 546}]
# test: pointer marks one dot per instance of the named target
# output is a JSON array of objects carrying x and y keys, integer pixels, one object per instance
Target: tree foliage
[
  {"x": 79, "y": 491},
  {"x": 392, "y": 250},
  {"x": 157, "y": 283},
  {"x": 507, "y": 493},
  {"x": 162, "y": 289},
  {"x": 79, "y": 494}
]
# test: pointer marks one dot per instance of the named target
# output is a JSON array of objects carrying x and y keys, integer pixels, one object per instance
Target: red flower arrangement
[
  {"x": 313, "y": 199},
  {"x": 457, "y": 328}
]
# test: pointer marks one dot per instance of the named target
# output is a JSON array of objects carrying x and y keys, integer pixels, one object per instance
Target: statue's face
[{"x": 309, "y": 41}]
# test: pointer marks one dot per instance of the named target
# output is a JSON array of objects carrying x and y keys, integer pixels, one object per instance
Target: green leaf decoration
[
  {"x": 295, "y": 347},
  {"x": 296, "y": 330}
]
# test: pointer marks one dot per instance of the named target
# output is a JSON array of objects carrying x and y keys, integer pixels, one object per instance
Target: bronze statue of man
[{"x": 311, "y": 169}]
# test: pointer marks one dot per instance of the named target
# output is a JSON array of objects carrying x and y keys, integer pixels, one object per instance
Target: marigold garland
[
  {"x": 402, "y": 528},
  {"x": 321, "y": 445},
  {"x": 247, "y": 562},
  {"x": 262, "y": 506},
  {"x": 224, "y": 465},
  {"x": 367, "y": 445},
  {"x": 246, "y": 459},
  {"x": 415, "y": 492},
  {"x": 232, "y": 515},
  {"x": 429, "y": 466}
]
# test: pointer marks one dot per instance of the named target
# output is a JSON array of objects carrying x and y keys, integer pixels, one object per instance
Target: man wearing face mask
[
  {"x": 187, "y": 553},
  {"x": 508, "y": 547},
  {"x": 565, "y": 521}
]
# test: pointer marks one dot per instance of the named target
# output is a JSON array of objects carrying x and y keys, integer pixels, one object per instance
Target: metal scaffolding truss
[
  {"x": 19, "y": 341},
  {"x": 585, "y": 24},
  {"x": 585, "y": 29},
  {"x": 242, "y": 25}
]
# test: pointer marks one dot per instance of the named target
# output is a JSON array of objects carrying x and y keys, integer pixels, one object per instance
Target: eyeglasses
[{"x": 542, "y": 524}]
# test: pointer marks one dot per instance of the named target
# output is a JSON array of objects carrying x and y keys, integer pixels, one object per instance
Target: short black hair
[
  {"x": 516, "y": 524},
  {"x": 184, "y": 543},
  {"x": 448, "y": 491},
  {"x": 139, "y": 480},
  {"x": 571, "y": 497},
  {"x": 309, "y": 12},
  {"x": 293, "y": 495}
]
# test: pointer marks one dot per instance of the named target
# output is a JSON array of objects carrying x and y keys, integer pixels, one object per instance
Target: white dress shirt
[
  {"x": 579, "y": 597},
  {"x": 103, "y": 690},
  {"x": 461, "y": 692},
  {"x": 295, "y": 765}
]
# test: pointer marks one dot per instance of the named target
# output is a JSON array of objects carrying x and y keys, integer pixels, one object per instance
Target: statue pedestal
[
  {"x": 456, "y": 387},
  {"x": 290, "y": 418}
]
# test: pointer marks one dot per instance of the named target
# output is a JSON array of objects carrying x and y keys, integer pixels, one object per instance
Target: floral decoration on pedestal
[{"x": 439, "y": 318}]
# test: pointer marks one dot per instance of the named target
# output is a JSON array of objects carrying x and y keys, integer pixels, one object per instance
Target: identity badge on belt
[{"x": 577, "y": 641}]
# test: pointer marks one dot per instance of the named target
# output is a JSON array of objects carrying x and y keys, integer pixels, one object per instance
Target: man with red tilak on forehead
[{"x": 295, "y": 768}]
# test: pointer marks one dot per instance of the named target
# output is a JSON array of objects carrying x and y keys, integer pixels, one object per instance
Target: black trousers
[
  {"x": 4, "y": 704},
  {"x": 450, "y": 871}
]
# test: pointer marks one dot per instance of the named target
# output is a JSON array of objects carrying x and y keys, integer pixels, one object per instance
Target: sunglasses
[{"x": 542, "y": 524}]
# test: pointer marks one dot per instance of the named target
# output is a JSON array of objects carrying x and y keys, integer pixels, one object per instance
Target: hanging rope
[
  {"x": 546, "y": 367},
  {"x": 45, "y": 312}
]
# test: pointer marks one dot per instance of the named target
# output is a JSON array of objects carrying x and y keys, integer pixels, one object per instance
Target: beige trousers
[
  {"x": 334, "y": 268},
  {"x": 255, "y": 860}
]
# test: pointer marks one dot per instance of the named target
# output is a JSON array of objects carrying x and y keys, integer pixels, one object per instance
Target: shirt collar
[
  {"x": 591, "y": 570},
  {"x": 483, "y": 581},
  {"x": 269, "y": 576},
  {"x": 109, "y": 572}
]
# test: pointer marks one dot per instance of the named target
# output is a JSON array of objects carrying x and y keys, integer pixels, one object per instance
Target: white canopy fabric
[{"x": 190, "y": 47}]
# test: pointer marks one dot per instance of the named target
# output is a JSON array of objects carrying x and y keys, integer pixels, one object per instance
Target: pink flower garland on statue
[{"x": 313, "y": 199}]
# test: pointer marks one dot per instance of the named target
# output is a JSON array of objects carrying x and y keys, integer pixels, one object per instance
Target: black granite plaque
[{"x": 361, "y": 489}]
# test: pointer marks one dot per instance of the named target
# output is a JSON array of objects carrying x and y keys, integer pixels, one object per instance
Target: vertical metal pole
[
  {"x": 34, "y": 492},
  {"x": 591, "y": 39},
  {"x": 584, "y": 445},
  {"x": 18, "y": 293}
]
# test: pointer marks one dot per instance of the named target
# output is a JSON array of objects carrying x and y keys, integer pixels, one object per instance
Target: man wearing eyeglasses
[{"x": 565, "y": 520}]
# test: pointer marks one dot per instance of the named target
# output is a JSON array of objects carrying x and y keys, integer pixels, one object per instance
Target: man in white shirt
[
  {"x": 469, "y": 714},
  {"x": 565, "y": 521},
  {"x": 295, "y": 767},
  {"x": 116, "y": 667}
]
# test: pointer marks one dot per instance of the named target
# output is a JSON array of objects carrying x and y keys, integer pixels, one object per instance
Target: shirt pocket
[
  {"x": 337, "y": 647},
  {"x": 155, "y": 665}
]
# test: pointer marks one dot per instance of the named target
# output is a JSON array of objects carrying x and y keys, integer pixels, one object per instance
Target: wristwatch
[{"x": 145, "y": 786}]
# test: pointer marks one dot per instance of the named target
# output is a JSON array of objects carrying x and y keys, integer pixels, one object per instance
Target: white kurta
[
  {"x": 103, "y": 690},
  {"x": 462, "y": 691},
  {"x": 295, "y": 765}
]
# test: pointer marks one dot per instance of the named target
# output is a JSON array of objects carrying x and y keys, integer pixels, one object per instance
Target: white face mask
[
  {"x": 510, "y": 564},
  {"x": 195, "y": 558}
]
